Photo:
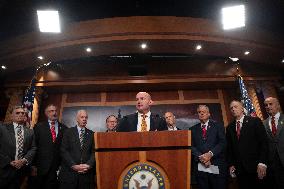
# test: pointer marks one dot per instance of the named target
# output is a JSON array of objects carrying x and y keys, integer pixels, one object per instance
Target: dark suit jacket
[
  {"x": 72, "y": 154},
  {"x": 276, "y": 144},
  {"x": 8, "y": 149},
  {"x": 251, "y": 148},
  {"x": 215, "y": 142},
  {"x": 129, "y": 123},
  {"x": 48, "y": 153}
]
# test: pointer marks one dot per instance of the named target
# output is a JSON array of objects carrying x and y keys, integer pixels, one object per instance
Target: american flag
[
  {"x": 28, "y": 100},
  {"x": 249, "y": 109}
]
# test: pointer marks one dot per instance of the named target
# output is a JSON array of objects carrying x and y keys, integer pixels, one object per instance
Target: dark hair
[
  {"x": 49, "y": 106},
  {"x": 111, "y": 116}
]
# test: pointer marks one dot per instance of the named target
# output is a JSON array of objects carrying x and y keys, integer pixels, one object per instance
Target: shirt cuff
[
  {"x": 262, "y": 164},
  {"x": 26, "y": 161},
  {"x": 211, "y": 153}
]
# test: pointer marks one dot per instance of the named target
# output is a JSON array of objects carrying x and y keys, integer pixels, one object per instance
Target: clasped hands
[
  {"x": 81, "y": 168},
  {"x": 261, "y": 171},
  {"x": 205, "y": 159},
  {"x": 18, "y": 163}
]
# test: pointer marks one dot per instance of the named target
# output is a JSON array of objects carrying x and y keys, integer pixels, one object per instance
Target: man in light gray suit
[
  {"x": 17, "y": 149},
  {"x": 274, "y": 126}
]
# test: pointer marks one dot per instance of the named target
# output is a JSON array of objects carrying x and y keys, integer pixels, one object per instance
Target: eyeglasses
[{"x": 20, "y": 113}]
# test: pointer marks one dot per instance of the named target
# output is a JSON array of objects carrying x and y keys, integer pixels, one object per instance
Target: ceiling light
[
  {"x": 40, "y": 57},
  {"x": 282, "y": 60},
  {"x": 88, "y": 49},
  {"x": 3, "y": 67},
  {"x": 143, "y": 45},
  {"x": 198, "y": 47},
  {"x": 233, "y": 17},
  {"x": 246, "y": 53},
  {"x": 48, "y": 21},
  {"x": 234, "y": 59}
]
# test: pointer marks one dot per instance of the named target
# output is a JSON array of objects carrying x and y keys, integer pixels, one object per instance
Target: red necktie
[
  {"x": 52, "y": 130},
  {"x": 273, "y": 126},
  {"x": 203, "y": 131},
  {"x": 238, "y": 129}
]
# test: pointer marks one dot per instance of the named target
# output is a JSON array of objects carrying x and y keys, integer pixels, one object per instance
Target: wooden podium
[{"x": 133, "y": 157}]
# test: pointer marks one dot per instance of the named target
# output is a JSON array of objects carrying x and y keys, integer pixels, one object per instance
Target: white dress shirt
[
  {"x": 206, "y": 124},
  {"x": 276, "y": 118},
  {"x": 241, "y": 122},
  {"x": 173, "y": 128},
  {"x": 140, "y": 117}
]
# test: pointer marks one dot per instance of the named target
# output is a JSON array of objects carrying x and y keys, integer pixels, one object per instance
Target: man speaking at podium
[{"x": 143, "y": 120}]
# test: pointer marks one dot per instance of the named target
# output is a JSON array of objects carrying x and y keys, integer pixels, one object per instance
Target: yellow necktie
[{"x": 143, "y": 123}]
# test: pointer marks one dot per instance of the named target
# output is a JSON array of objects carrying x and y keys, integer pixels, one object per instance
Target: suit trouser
[
  {"x": 250, "y": 180},
  {"x": 80, "y": 183},
  {"x": 275, "y": 174},
  {"x": 210, "y": 181},
  {"x": 14, "y": 180},
  {"x": 46, "y": 181}
]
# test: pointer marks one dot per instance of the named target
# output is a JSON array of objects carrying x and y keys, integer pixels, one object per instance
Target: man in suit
[
  {"x": 171, "y": 121},
  {"x": 208, "y": 148},
  {"x": 143, "y": 119},
  {"x": 111, "y": 123},
  {"x": 247, "y": 148},
  {"x": 48, "y": 136},
  {"x": 77, "y": 156},
  {"x": 17, "y": 149},
  {"x": 274, "y": 126}
]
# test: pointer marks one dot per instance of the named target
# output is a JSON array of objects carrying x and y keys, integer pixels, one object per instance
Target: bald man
[
  {"x": 171, "y": 121},
  {"x": 143, "y": 120},
  {"x": 247, "y": 148},
  {"x": 77, "y": 155},
  {"x": 274, "y": 125}
]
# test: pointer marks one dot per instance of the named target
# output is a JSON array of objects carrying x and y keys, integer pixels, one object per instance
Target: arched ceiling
[{"x": 123, "y": 36}]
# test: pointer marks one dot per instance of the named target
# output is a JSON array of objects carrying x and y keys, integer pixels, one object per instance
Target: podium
[{"x": 153, "y": 160}]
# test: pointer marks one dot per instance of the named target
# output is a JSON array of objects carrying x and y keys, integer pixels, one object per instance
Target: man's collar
[
  {"x": 16, "y": 125},
  {"x": 49, "y": 121},
  {"x": 276, "y": 115},
  {"x": 242, "y": 119},
  {"x": 147, "y": 114},
  {"x": 206, "y": 123}
]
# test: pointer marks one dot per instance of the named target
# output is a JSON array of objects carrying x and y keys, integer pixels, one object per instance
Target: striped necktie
[
  {"x": 81, "y": 137},
  {"x": 273, "y": 126}
]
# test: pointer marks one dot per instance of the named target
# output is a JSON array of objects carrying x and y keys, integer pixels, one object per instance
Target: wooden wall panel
[
  {"x": 200, "y": 94},
  {"x": 164, "y": 95},
  {"x": 130, "y": 96},
  {"x": 229, "y": 95},
  {"x": 120, "y": 96},
  {"x": 83, "y": 97}
]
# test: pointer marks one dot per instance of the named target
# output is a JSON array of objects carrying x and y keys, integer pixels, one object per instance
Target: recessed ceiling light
[
  {"x": 3, "y": 67},
  {"x": 48, "y": 21},
  {"x": 283, "y": 60},
  {"x": 246, "y": 53},
  {"x": 198, "y": 47},
  {"x": 233, "y": 17},
  {"x": 234, "y": 59},
  {"x": 143, "y": 45},
  {"x": 88, "y": 49},
  {"x": 40, "y": 57}
]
